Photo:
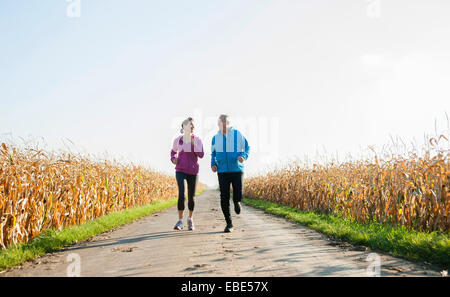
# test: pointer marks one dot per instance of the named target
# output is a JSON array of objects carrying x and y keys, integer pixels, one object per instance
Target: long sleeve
[
  {"x": 198, "y": 148},
  {"x": 213, "y": 153},
  {"x": 246, "y": 149},
  {"x": 174, "y": 150}
]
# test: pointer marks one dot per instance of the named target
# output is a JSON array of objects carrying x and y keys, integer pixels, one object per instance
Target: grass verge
[
  {"x": 399, "y": 241},
  {"x": 52, "y": 240}
]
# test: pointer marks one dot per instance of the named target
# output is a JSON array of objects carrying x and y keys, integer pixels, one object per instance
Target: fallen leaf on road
[{"x": 126, "y": 249}]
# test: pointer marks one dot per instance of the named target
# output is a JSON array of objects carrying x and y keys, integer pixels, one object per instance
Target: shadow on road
[{"x": 134, "y": 239}]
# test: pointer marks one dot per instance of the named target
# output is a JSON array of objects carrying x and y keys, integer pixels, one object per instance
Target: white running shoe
[
  {"x": 178, "y": 225},
  {"x": 190, "y": 224}
]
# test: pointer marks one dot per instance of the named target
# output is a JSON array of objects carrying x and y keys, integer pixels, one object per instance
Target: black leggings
[{"x": 191, "y": 184}]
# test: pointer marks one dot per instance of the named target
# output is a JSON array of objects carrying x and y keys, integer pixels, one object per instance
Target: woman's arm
[
  {"x": 198, "y": 147},
  {"x": 174, "y": 150}
]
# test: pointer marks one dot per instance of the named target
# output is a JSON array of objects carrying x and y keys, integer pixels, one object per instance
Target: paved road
[{"x": 260, "y": 245}]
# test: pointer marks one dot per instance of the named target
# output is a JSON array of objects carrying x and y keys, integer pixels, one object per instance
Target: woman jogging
[{"x": 186, "y": 150}]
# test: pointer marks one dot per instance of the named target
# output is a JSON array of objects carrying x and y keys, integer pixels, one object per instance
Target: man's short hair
[{"x": 224, "y": 117}]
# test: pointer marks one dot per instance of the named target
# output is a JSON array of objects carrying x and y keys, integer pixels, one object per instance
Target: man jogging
[{"x": 229, "y": 149}]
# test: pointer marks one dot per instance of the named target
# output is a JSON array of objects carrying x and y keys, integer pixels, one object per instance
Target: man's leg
[
  {"x": 236, "y": 181},
  {"x": 224, "y": 185}
]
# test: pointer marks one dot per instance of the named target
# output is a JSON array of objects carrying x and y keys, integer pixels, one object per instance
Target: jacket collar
[{"x": 229, "y": 130}]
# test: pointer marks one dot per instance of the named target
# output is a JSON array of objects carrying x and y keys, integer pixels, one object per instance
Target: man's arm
[{"x": 245, "y": 148}]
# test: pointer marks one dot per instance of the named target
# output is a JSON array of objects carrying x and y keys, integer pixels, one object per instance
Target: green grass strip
[
  {"x": 52, "y": 240},
  {"x": 400, "y": 241}
]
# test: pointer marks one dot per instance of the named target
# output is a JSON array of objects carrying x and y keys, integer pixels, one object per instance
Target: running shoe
[
  {"x": 228, "y": 228},
  {"x": 237, "y": 207},
  {"x": 190, "y": 224},
  {"x": 178, "y": 225}
]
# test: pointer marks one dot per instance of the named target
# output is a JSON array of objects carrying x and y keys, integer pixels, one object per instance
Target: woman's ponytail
[{"x": 185, "y": 122}]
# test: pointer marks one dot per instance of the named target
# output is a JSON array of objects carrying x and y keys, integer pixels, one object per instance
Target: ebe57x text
[{"x": 230, "y": 286}]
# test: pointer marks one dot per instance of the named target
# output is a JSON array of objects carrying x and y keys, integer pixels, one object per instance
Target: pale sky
[{"x": 298, "y": 77}]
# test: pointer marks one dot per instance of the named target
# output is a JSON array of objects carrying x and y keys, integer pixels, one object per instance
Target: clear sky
[{"x": 298, "y": 77}]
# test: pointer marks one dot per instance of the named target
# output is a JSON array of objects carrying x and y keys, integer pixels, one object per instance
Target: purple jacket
[{"x": 187, "y": 154}]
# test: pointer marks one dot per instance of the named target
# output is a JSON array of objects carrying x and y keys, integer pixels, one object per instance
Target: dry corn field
[
  {"x": 40, "y": 191},
  {"x": 411, "y": 191}
]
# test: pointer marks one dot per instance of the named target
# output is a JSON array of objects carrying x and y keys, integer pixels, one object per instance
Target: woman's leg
[
  {"x": 180, "y": 176},
  {"x": 192, "y": 184}
]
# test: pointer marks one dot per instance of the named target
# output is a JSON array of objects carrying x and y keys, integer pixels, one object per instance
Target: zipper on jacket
[{"x": 226, "y": 151}]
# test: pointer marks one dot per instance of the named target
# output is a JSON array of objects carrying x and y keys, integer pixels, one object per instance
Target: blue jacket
[{"x": 226, "y": 150}]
